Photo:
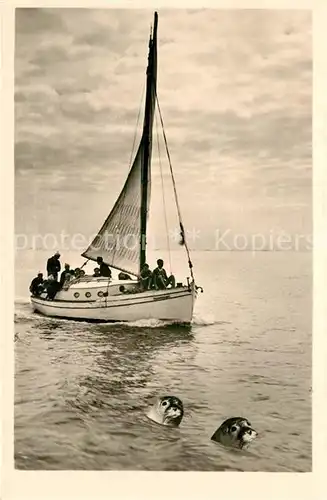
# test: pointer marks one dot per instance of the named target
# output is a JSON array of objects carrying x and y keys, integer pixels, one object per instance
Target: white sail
[{"x": 118, "y": 241}]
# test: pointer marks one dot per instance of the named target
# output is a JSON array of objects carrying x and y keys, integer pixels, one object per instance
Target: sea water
[{"x": 81, "y": 389}]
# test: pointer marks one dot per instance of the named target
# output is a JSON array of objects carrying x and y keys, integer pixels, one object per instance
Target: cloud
[
  {"x": 34, "y": 21},
  {"x": 234, "y": 88}
]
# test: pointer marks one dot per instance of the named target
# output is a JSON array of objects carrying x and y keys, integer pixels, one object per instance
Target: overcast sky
[{"x": 235, "y": 93}]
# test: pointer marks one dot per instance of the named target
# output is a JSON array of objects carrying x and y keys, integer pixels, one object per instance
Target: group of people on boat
[
  {"x": 152, "y": 280},
  {"x": 156, "y": 279},
  {"x": 149, "y": 280},
  {"x": 52, "y": 284}
]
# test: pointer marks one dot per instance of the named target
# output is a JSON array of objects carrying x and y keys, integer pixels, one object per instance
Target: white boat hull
[
  {"x": 173, "y": 304},
  {"x": 91, "y": 289}
]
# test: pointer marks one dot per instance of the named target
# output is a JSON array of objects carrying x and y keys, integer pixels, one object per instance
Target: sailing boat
[{"x": 105, "y": 299}]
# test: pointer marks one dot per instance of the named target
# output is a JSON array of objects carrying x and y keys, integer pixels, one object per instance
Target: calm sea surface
[{"x": 81, "y": 389}]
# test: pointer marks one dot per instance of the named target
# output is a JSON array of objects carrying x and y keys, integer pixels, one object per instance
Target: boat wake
[
  {"x": 206, "y": 320},
  {"x": 154, "y": 323},
  {"x": 150, "y": 323}
]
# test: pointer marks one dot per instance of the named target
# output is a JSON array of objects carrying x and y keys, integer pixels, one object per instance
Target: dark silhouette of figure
[
  {"x": 36, "y": 286},
  {"x": 104, "y": 269},
  {"x": 53, "y": 265},
  {"x": 145, "y": 277},
  {"x": 65, "y": 275},
  {"x": 160, "y": 280}
]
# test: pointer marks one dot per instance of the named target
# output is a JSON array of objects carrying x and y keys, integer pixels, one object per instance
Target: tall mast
[{"x": 150, "y": 99}]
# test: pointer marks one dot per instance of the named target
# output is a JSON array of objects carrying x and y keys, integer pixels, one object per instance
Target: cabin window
[
  {"x": 100, "y": 294},
  {"x": 76, "y": 295},
  {"x": 88, "y": 295}
]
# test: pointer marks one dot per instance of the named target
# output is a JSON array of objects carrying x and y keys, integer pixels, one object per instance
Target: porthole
[
  {"x": 100, "y": 294},
  {"x": 76, "y": 295},
  {"x": 88, "y": 295}
]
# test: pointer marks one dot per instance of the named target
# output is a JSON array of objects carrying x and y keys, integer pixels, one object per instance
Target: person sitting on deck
[
  {"x": 145, "y": 278},
  {"x": 65, "y": 275},
  {"x": 124, "y": 276},
  {"x": 36, "y": 286},
  {"x": 77, "y": 273},
  {"x": 160, "y": 279},
  {"x": 53, "y": 265},
  {"x": 104, "y": 269},
  {"x": 96, "y": 272},
  {"x": 51, "y": 286}
]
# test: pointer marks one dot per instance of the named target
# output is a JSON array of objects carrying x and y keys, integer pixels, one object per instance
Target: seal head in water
[
  {"x": 167, "y": 410},
  {"x": 235, "y": 432}
]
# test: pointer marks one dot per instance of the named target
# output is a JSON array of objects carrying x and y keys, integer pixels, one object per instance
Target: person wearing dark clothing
[
  {"x": 160, "y": 279},
  {"x": 53, "y": 265},
  {"x": 65, "y": 275},
  {"x": 145, "y": 277},
  {"x": 36, "y": 285},
  {"x": 124, "y": 276},
  {"x": 51, "y": 286},
  {"x": 104, "y": 269},
  {"x": 77, "y": 273},
  {"x": 96, "y": 272}
]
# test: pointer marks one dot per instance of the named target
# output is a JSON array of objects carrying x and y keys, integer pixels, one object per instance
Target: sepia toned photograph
[{"x": 163, "y": 240}]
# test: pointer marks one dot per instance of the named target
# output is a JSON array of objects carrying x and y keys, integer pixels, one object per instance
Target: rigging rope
[
  {"x": 183, "y": 238},
  {"x": 163, "y": 197}
]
